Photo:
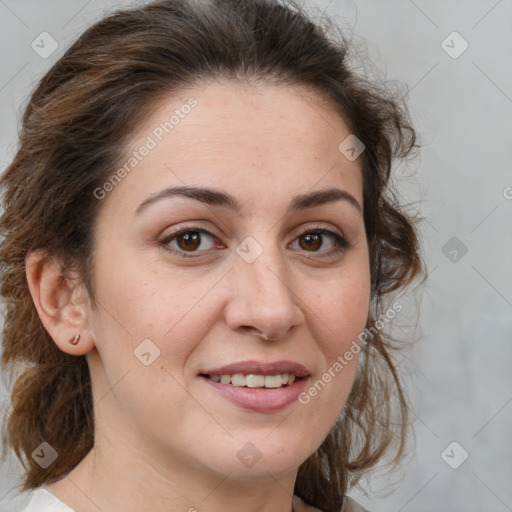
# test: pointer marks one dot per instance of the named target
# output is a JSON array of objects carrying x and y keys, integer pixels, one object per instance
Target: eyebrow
[{"x": 214, "y": 197}]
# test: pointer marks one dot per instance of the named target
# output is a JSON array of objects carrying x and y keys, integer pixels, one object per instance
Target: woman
[{"x": 199, "y": 243}]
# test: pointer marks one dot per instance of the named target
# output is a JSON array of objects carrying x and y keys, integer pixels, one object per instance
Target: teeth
[
  {"x": 255, "y": 381},
  {"x": 238, "y": 379},
  {"x": 274, "y": 381}
]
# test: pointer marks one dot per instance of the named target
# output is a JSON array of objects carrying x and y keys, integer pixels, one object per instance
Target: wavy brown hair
[{"x": 74, "y": 134}]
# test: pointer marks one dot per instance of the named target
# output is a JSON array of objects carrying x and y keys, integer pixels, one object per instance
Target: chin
[
  {"x": 254, "y": 459},
  {"x": 263, "y": 470}
]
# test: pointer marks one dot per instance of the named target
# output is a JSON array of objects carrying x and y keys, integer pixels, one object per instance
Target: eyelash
[{"x": 342, "y": 244}]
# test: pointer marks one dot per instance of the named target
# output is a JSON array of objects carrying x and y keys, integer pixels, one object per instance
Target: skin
[{"x": 164, "y": 439}]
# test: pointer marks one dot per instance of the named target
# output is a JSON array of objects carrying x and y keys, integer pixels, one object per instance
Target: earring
[{"x": 75, "y": 340}]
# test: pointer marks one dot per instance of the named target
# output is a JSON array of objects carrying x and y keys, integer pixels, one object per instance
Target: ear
[{"x": 62, "y": 305}]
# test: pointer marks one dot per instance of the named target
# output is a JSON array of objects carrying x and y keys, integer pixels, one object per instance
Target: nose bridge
[{"x": 264, "y": 297}]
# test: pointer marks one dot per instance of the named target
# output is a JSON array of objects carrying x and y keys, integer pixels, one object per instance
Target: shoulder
[
  {"x": 44, "y": 501},
  {"x": 349, "y": 505}
]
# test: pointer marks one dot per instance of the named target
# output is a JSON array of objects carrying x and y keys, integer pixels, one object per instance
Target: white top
[{"x": 44, "y": 501}]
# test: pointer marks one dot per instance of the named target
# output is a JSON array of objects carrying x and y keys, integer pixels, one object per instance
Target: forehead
[{"x": 254, "y": 141}]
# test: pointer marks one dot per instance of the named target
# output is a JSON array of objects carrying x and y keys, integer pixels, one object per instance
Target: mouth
[
  {"x": 254, "y": 381},
  {"x": 262, "y": 387}
]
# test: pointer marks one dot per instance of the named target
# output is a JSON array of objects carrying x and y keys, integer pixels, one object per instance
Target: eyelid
[
  {"x": 341, "y": 242},
  {"x": 166, "y": 240},
  {"x": 319, "y": 227}
]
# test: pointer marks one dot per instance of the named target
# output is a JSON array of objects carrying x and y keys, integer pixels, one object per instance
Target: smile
[
  {"x": 258, "y": 386},
  {"x": 254, "y": 381}
]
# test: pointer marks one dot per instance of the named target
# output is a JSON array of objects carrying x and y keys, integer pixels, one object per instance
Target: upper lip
[{"x": 260, "y": 368}]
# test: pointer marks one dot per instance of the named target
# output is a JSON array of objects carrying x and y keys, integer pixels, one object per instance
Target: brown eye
[
  {"x": 187, "y": 240},
  {"x": 313, "y": 240}
]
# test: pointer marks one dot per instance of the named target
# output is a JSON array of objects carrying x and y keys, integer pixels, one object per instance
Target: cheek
[
  {"x": 145, "y": 330},
  {"x": 130, "y": 296},
  {"x": 341, "y": 310},
  {"x": 136, "y": 306},
  {"x": 341, "y": 318},
  {"x": 339, "y": 315}
]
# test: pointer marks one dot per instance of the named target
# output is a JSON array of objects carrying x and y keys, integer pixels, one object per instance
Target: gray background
[{"x": 459, "y": 369}]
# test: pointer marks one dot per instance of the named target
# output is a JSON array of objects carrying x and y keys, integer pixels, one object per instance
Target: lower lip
[{"x": 260, "y": 399}]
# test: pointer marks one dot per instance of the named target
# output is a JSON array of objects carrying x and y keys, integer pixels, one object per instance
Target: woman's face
[{"x": 174, "y": 310}]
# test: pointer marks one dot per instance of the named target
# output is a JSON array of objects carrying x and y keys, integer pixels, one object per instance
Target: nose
[{"x": 263, "y": 299}]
